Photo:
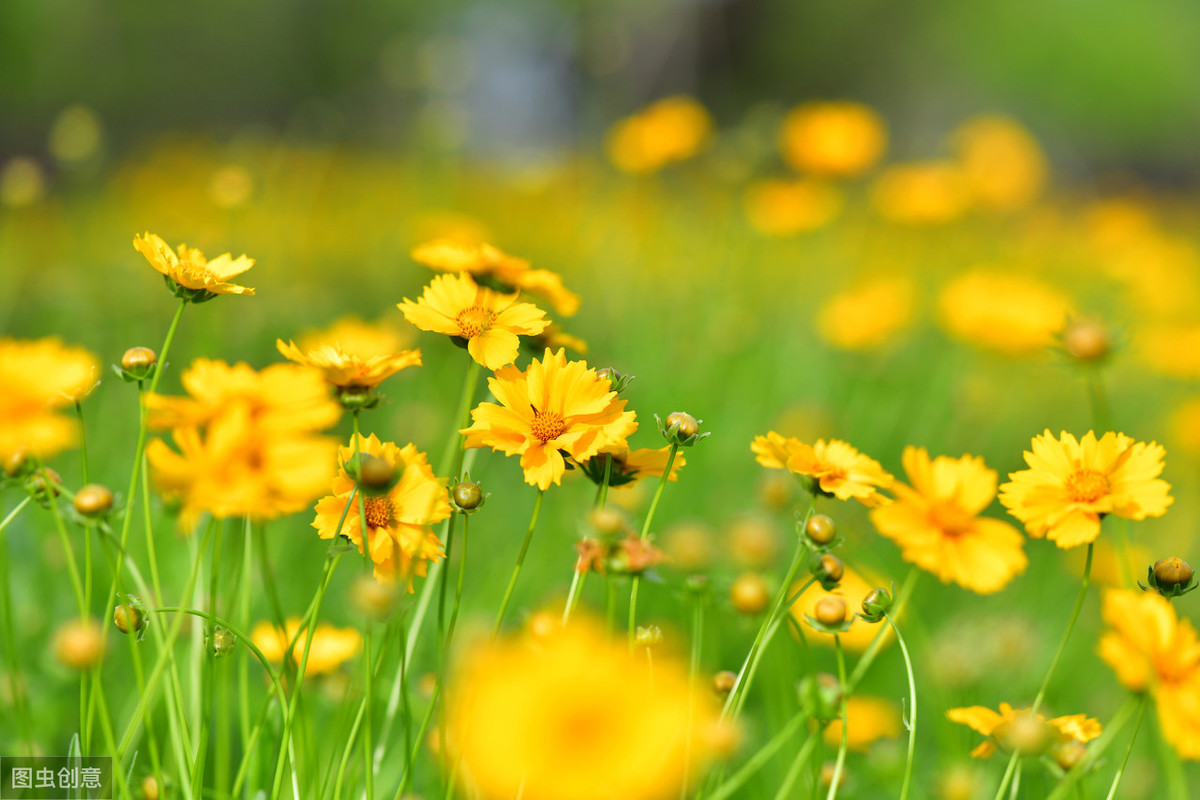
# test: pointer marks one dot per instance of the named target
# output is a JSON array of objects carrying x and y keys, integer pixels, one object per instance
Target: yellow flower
[
  {"x": 936, "y": 522},
  {"x": 1010, "y": 313},
  {"x": 38, "y": 377},
  {"x": 870, "y": 719},
  {"x": 401, "y": 540},
  {"x": 554, "y": 337},
  {"x": 572, "y": 715},
  {"x": 1151, "y": 649},
  {"x": 672, "y": 129},
  {"x": 868, "y": 315},
  {"x": 836, "y": 468},
  {"x": 786, "y": 208},
  {"x": 1071, "y": 484},
  {"x": 1185, "y": 426},
  {"x": 833, "y": 138},
  {"x": 330, "y": 647},
  {"x": 1003, "y": 166},
  {"x": 189, "y": 269},
  {"x": 490, "y": 322},
  {"x": 351, "y": 354},
  {"x": 632, "y": 465},
  {"x": 853, "y": 588},
  {"x": 931, "y": 193},
  {"x": 1016, "y": 729},
  {"x": 485, "y": 262},
  {"x": 551, "y": 408},
  {"x": 1172, "y": 349}
]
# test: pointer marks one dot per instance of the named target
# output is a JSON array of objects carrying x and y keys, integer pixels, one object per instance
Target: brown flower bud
[
  {"x": 829, "y": 568},
  {"x": 688, "y": 426},
  {"x": 1172, "y": 571},
  {"x": 830, "y": 610},
  {"x": 1067, "y": 753},
  {"x": 138, "y": 359},
  {"x": 608, "y": 521},
  {"x": 1086, "y": 340},
  {"x": 150, "y": 788},
  {"x": 724, "y": 681},
  {"x": 749, "y": 594},
  {"x": 129, "y": 618},
  {"x": 93, "y": 500},
  {"x": 467, "y": 496},
  {"x": 820, "y": 528},
  {"x": 374, "y": 473},
  {"x": 79, "y": 644}
]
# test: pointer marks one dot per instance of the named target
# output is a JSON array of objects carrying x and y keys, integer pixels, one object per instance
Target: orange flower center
[
  {"x": 950, "y": 519},
  {"x": 1086, "y": 486},
  {"x": 380, "y": 512},
  {"x": 474, "y": 321},
  {"x": 547, "y": 425}
]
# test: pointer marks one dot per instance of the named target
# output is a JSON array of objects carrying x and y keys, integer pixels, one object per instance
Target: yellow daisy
[
  {"x": 552, "y": 408},
  {"x": 936, "y": 522},
  {"x": 37, "y": 378},
  {"x": 189, "y": 269},
  {"x": 330, "y": 647},
  {"x": 485, "y": 262},
  {"x": 1071, "y": 484},
  {"x": 1016, "y": 729},
  {"x": 488, "y": 321},
  {"x": 401, "y": 539},
  {"x": 834, "y": 467},
  {"x": 351, "y": 354},
  {"x": 833, "y": 138}
]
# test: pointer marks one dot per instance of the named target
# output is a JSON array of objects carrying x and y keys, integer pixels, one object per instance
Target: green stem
[
  {"x": 368, "y": 682},
  {"x": 10, "y": 641},
  {"x": 452, "y": 452},
  {"x": 841, "y": 755},
  {"x": 756, "y": 762},
  {"x": 248, "y": 747},
  {"x": 793, "y": 773},
  {"x": 912, "y": 705},
  {"x": 1071, "y": 780},
  {"x": 872, "y": 651},
  {"x": 512, "y": 582},
  {"x": 693, "y": 671},
  {"x": 658, "y": 492},
  {"x": 1112, "y": 790}
]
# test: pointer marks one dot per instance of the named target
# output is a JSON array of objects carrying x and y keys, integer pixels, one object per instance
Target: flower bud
[
  {"x": 1067, "y": 753},
  {"x": 79, "y": 644},
  {"x": 1027, "y": 734},
  {"x": 1172, "y": 571},
  {"x": 129, "y": 618},
  {"x": 42, "y": 486},
  {"x": 648, "y": 636},
  {"x": 876, "y": 605},
  {"x": 830, "y": 611},
  {"x": 372, "y": 598},
  {"x": 617, "y": 380},
  {"x": 749, "y": 594},
  {"x": 93, "y": 500},
  {"x": 17, "y": 465},
  {"x": 828, "y": 570},
  {"x": 543, "y": 624},
  {"x": 357, "y": 398},
  {"x": 821, "y": 695},
  {"x": 150, "y": 788},
  {"x": 467, "y": 496},
  {"x": 724, "y": 681},
  {"x": 680, "y": 428},
  {"x": 820, "y": 529},
  {"x": 1086, "y": 340},
  {"x": 697, "y": 585},
  {"x": 608, "y": 521},
  {"x": 375, "y": 475},
  {"x": 138, "y": 363},
  {"x": 222, "y": 642}
]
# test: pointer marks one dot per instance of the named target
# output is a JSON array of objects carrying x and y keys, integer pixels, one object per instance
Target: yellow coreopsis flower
[
  {"x": 870, "y": 719},
  {"x": 936, "y": 522},
  {"x": 868, "y": 315},
  {"x": 931, "y": 193},
  {"x": 189, "y": 273},
  {"x": 669, "y": 130},
  {"x": 1152, "y": 650},
  {"x": 786, "y": 208},
  {"x": 488, "y": 321},
  {"x": 574, "y": 715},
  {"x": 1002, "y": 163},
  {"x": 553, "y": 407},
  {"x": 38, "y": 377},
  {"x": 833, "y": 138},
  {"x": 1071, "y": 483},
  {"x": 330, "y": 648},
  {"x": 485, "y": 262},
  {"x": 1011, "y": 313},
  {"x": 1013, "y": 729},
  {"x": 401, "y": 541},
  {"x": 352, "y": 355},
  {"x": 835, "y": 468}
]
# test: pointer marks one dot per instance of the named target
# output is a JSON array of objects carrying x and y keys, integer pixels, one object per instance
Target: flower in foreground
[
  {"x": 38, "y": 377},
  {"x": 573, "y": 714},
  {"x": 936, "y": 522},
  {"x": 834, "y": 467},
  {"x": 487, "y": 263},
  {"x": 189, "y": 274},
  {"x": 401, "y": 541},
  {"x": 553, "y": 407},
  {"x": 1152, "y": 650},
  {"x": 351, "y": 354},
  {"x": 488, "y": 321},
  {"x": 1017, "y": 730},
  {"x": 1072, "y": 483},
  {"x": 330, "y": 647}
]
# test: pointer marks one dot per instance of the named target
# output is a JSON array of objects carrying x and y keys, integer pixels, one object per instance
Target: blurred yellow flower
[
  {"x": 1071, "y": 483},
  {"x": 836, "y": 468},
  {"x": 936, "y": 522},
  {"x": 330, "y": 648},
  {"x": 786, "y": 208},
  {"x": 870, "y": 719},
  {"x": 490, "y": 322},
  {"x": 853, "y": 588},
  {"x": 867, "y": 315},
  {"x": 401, "y": 540},
  {"x": 38, "y": 377},
  {"x": 352, "y": 354},
  {"x": 669, "y": 130},
  {"x": 1152, "y": 650},
  {"x": 551, "y": 409},
  {"x": 485, "y": 262},
  {"x": 188, "y": 268},
  {"x": 839, "y": 139},
  {"x": 1172, "y": 349},
  {"x": 1013, "y": 729},
  {"x": 1010, "y": 313},
  {"x": 574, "y": 715},
  {"x": 1185, "y": 426},
  {"x": 929, "y": 193},
  {"x": 1002, "y": 164},
  {"x": 554, "y": 337},
  {"x": 22, "y": 182},
  {"x": 632, "y": 465}
]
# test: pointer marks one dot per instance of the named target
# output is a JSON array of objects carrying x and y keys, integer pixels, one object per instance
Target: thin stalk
[
  {"x": 872, "y": 651},
  {"x": 208, "y": 667},
  {"x": 693, "y": 670},
  {"x": 368, "y": 676},
  {"x": 793, "y": 773},
  {"x": 512, "y": 582},
  {"x": 753, "y": 764},
  {"x": 248, "y": 746},
  {"x": 658, "y": 492},
  {"x": 1112, "y": 790},
  {"x": 912, "y": 705},
  {"x": 8, "y": 630},
  {"x": 1096, "y": 750},
  {"x": 841, "y": 754}
]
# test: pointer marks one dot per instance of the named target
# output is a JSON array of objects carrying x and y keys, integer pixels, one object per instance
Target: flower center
[
  {"x": 1086, "y": 486},
  {"x": 379, "y": 510},
  {"x": 950, "y": 519},
  {"x": 474, "y": 321},
  {"x": 547, "y": 425}
]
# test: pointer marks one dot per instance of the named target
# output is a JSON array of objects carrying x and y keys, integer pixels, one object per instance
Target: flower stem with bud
[
  {"x": 662, "y": 483},
  {"x": 911, "y": 722}
]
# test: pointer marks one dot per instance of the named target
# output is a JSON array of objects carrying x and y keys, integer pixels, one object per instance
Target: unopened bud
[
  {"x": 1172, "y": 571},
  {"x": 150, "y": 788},
  {"x": 724, "y": 681},
  {"x": 375, "y": 475},
  {"x": 1067, "y": 753},
  {"x": 608, "y": 521},
  {"x": 830, "y": 610},
  {"x": 93, "y": 500},
  {"x": 467, "y": 496},
  {"x": 371, "y": 597},
  {"x": 138, "y": 363},
  {"x": 223, "y": 642},
  {"x": 820, "y": 529},
  {"x": 79, "y": 644},
  {"x": 876, "y": 605},
  {"x": 129, "y": 618},
  {"x": 617, "y": 380},
  {"x": 749, "y": 594},
  {"x": 42, "y": 485},
  {"x": 828, "y": 569},
  {"x": 680, "y": 428},
  {"x": 648, "y": 636},
  {"x": 1086, "y": 340}
]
